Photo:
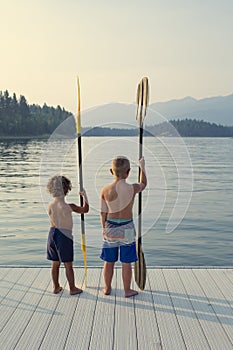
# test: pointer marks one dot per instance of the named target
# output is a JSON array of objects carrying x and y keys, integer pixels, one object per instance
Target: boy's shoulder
[
  {"x": 138, "y": 187},
  {"x": 54, "y": 204},
  {"x": 51, "y": 204},
  {"x": 107, "y": 187}
]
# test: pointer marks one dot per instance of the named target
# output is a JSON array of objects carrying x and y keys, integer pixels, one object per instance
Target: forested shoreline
[
  {"x": 19, "y": 119},
  {"x": 185, "y": 128}
]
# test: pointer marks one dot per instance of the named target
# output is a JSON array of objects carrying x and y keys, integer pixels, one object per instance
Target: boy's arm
[
  {"x": 81, "y": 210},
  {"x": 103, "y": 210},
  {"x": 52, "y": 224},
  {"x": 143, "y": 179},
  {"x": 49, "y": 209}
]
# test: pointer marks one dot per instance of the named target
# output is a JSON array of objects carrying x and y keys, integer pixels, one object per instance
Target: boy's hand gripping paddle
[
  {"x": 142, "y": 102},
  {"x": 80, "y": 173}
]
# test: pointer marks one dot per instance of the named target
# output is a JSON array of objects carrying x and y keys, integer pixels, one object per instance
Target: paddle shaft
[
  {"x": 79, "y": 153},
  {"x": 140, "y": 193},
  {"x": 81, "y": 178},
  {"x": 79, "y": 146},
  {"x": 142, "y": 101}
]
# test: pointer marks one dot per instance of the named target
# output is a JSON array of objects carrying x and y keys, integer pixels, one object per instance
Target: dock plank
[
  {"x": 169, "y": 328},
  {"x": 217, "y": 302},
  {"x": 104, "y": 318},
  {"x": 229, "y": 274},
  {"x": 3, "y": 273},
  {"x": 9, "y": 277},
  {"x": 181, "y": 308},
  {"x": 59, "y": 326},
  {"x": 192, "y": 332},
  {"x": 146, "y": 321},
  {"x": 81, "y": 327},
  {"x": 14, "y": 298},
  {"x": 210, "y": 324},
  {"x": 226, "y": 286},
  {"x": 35, "y": 331},
  {"x": 24, "y": 311},
  {"x": 125, "y": 336}
]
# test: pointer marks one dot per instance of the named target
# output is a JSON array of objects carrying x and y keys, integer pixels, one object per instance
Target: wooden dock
[{"x": 180, "y": 309}]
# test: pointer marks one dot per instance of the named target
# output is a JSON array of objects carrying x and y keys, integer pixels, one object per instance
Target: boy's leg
[
  {"x": 55, "y": 277},
  {"x": 70, "y": 277},
  {"x": 108, "y": 274},
  {"x": 127, "y": 276}
]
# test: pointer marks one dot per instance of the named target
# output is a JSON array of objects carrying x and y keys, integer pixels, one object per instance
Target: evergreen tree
[
  {"x": 23, "y": 107},
  {"x": 18, "y": 118}
]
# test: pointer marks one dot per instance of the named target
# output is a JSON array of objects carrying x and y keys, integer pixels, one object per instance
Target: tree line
[
  {"x": 184, "y": 127},
  {"x": 18, "y": 118},
  {"x": 194, "y": 128}
]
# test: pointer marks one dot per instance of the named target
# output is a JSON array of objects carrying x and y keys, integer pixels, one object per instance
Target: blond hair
[
  {"x": 59, "y": 186},
  {"x": 120, "y": 166}
]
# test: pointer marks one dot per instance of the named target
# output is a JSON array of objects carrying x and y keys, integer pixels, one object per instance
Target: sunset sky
[{"x": 183, "y": 46}]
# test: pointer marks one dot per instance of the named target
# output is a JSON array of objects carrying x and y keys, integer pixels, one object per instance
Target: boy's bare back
[
  {"x": 117, "y": 198},
  {"x": 60, "y": 214}
]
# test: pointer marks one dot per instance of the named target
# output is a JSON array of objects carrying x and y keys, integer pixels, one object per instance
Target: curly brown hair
[{"x": 59, "y": 186}]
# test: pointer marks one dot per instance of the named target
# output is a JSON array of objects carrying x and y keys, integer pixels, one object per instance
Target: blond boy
[{"x": 117, "y": 201}]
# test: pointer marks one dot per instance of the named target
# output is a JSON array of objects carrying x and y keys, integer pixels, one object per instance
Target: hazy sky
[{"x": 183, "y": 46}]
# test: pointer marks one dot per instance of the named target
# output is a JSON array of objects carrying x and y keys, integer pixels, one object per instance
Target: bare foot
[
  {"x": 107, "y": 291},
  {"x": 57, "y": 290},
  {"x": 131, "y": 293},
  {"x": 76, "y": 291}
]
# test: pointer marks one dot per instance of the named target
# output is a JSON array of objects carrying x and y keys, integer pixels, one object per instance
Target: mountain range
[{"x": 217, "y": 110}]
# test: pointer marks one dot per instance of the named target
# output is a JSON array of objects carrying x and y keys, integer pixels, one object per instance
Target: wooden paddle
[
  {"x": 80, "y": 173},
  {"x": 142, "y": 102}
]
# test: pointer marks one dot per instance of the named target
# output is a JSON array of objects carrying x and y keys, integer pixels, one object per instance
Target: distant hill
[
  {"x": 214, "y": 109},
  {"x": 184, "y": 128},
  {"x": 190, "y": 128},
  {"x": 217, "y": 110},
  {"x": 190, "y": 117}
]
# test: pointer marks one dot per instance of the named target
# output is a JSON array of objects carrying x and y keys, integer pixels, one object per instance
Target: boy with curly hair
[{"x": 60, "y": 239}]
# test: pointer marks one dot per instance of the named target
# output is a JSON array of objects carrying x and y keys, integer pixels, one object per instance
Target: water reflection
[{"x": 204, "y": 236}]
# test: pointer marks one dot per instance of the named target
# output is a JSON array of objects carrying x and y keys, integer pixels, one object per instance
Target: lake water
[{"x": 187, "y": 206}]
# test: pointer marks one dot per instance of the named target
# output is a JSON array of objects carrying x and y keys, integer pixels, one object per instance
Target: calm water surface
[{"x": 203, "y": 237}]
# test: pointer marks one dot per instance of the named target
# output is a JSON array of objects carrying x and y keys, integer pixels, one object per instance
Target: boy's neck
[
  {"x": 119, "y": 179},
  {"x": 59, "y": 199}
]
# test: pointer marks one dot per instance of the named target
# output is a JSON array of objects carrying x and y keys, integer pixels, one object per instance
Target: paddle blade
[
  {"x": 140, "y": 269},
  {"x": 142, "y": 100}
]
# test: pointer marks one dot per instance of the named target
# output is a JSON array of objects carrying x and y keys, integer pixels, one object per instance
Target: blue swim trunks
[
  {"x": 60, "y": 245},
  {"x": 119, "y": 234}
]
